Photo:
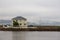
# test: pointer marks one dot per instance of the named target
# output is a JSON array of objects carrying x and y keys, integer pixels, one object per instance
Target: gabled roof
[{"x": 19, "y": 18}]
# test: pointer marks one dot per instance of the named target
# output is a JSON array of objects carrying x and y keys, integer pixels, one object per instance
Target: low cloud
[{"x": 33, "y": 10}]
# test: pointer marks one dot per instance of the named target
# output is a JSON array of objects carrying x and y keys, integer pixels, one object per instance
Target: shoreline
[{"x": 45, "y": 28}]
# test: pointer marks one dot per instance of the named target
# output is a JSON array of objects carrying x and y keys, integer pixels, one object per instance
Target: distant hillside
[
  {"x": 44, "y": 23},
  {"x": 5, "y": 21},
  {"x": 48, "y": 23}
]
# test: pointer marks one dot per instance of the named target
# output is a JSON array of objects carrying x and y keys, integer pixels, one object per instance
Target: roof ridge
[{"x": 19, "y": 18}]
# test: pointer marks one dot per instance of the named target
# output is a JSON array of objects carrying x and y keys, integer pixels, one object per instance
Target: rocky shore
[{"x": 41, "y": 28}]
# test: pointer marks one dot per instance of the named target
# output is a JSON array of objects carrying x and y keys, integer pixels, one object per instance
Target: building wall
[{"x": 22, "y": 23}]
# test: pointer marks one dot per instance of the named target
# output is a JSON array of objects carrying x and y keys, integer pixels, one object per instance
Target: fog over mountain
[
  {"x": 40, "y": 12},
  {"x": 42, "y": 22},
  {"x": 4, "y": 22},
  {"x": 31, "y": 9}
]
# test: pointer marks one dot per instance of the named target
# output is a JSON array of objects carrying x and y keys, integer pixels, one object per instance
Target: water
[{"x": 9, "y": 35}]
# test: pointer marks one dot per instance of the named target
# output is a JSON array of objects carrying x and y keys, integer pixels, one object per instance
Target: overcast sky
[{"x": 31, "y": 9}]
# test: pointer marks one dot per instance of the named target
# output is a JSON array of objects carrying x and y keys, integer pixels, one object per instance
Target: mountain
[
  {"x": 4, "y": 22},
  {"x": 42, "y": 22},
  {"x": 45, "y": 23},
  {"x": 50, "y": 23}
]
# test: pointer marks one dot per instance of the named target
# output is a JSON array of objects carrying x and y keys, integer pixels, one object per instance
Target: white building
[{"x": 22, "y": 22}]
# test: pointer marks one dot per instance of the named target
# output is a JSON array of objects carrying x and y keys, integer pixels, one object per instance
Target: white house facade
[{"x": 22, "y": 22}]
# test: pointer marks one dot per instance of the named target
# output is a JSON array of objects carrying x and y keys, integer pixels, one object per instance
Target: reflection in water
[
  {"x": 5, "y": 35},
  {"x": 19, "y": 35},
  {"x": 36, "y": 36},
  {"x": 16, "y": 35}
]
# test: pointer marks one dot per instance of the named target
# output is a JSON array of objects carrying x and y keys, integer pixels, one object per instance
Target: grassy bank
[{"x": 40, "y": 28}]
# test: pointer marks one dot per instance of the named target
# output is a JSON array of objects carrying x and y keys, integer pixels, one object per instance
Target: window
[
  {"x": 20, "y": 23},
  {"x": 25, "y": 24}
]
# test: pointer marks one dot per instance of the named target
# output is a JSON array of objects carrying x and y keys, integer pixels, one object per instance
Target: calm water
[{"x": 8, "y": 35}]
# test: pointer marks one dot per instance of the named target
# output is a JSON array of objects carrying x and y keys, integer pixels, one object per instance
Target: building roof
[{"x": 19, "y": 18}]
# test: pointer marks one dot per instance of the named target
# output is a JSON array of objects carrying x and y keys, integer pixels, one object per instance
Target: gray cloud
[{"x": 44, "y": 9}]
